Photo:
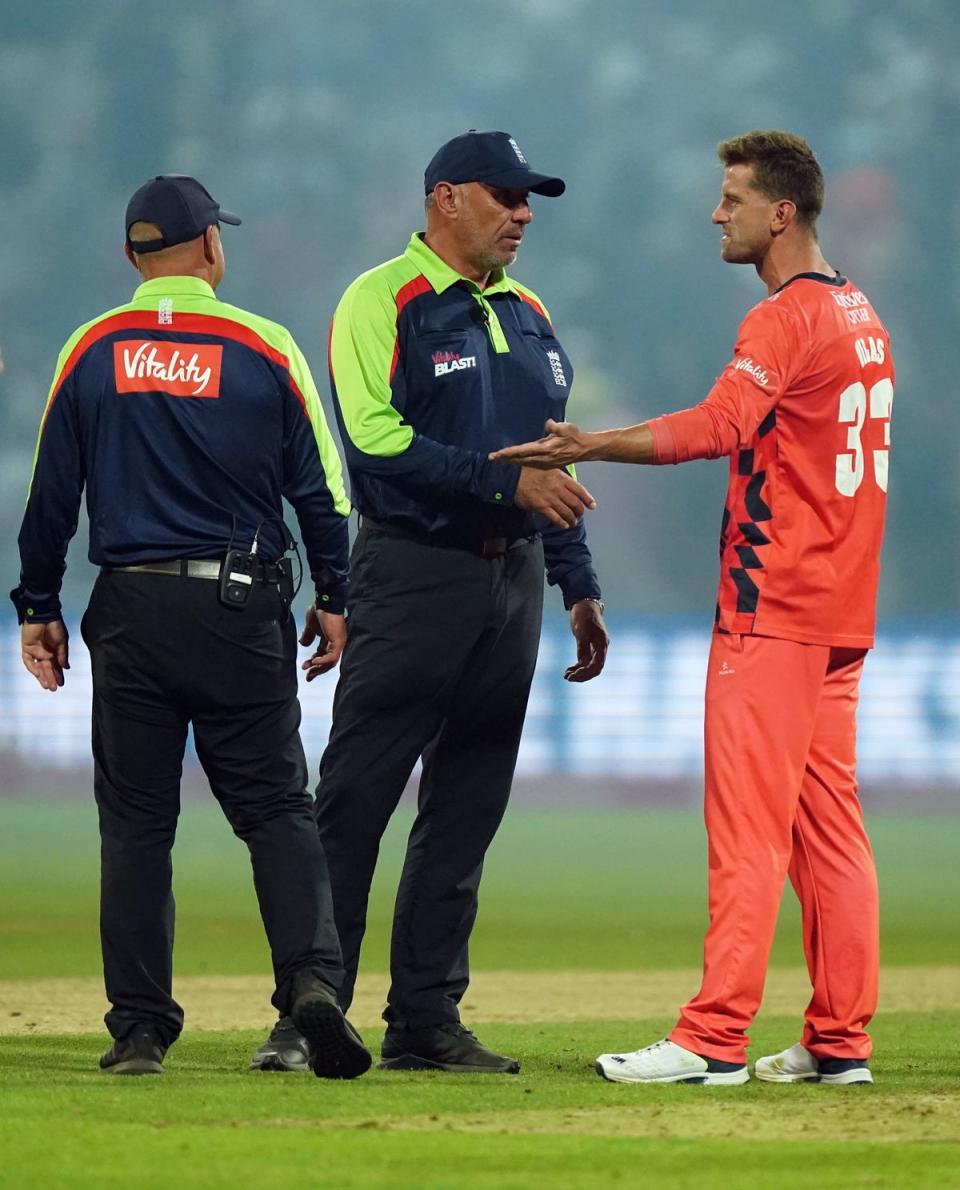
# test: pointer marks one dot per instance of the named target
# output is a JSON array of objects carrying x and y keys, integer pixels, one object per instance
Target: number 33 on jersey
[{"x": 856, "y": 403}]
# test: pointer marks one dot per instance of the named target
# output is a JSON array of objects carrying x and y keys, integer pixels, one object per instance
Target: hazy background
[{"x": 314, "y": 122}]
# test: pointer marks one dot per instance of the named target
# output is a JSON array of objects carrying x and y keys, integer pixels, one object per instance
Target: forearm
[
  {"x": 440, "y": 466},
  {"x": 569, "y": 564},
  {"x": 325, "y": 538},
  {"x": 630, "y": 444},
  {"x": 48, "y": 526},
  {"x": 42, "y": 563},
  {"x": 707, "y": 431}
]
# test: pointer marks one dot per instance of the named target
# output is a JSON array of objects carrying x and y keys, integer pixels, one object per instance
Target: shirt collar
[
  {"x": 170, "y": 286},
  {"x": 441, "y": 276}
]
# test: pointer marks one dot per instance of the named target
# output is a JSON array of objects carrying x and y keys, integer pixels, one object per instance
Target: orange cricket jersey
[{"x": 803, "y": 409}]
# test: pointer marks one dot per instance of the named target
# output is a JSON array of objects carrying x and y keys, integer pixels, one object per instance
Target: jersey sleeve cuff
[
  {"x": 35, "y": 609},
  {"x": 579, "y": 584},
  {"x": 330, "y": 584},
  {"x": 500, "y": 482},
  {"x": 664, "y": 443},
  {"x": 331, "y": 599}
]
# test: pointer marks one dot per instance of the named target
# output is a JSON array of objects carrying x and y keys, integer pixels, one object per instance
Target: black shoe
[
  {"x": 140, "y": 1052},
  {"x": 451, "y": 1047},
  {"x": 285, "y": 1049},
  {"x": 335, "y": 1048}
]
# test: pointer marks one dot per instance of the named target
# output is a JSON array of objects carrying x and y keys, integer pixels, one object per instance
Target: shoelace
[
  {"x": 650, "y": 1049},
  {"x": 456, "y": 1029}
]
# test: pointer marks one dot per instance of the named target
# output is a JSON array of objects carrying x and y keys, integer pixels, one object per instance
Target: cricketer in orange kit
[{"x": 803, "y": 412}]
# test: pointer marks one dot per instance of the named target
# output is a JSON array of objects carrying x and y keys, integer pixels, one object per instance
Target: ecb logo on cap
[{"x": 516, "y": 149}]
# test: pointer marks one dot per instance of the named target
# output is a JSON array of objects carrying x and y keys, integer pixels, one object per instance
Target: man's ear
[
  {"x": 446, "y": 198},
  {"x": 784, "y": 214},
  {"x": 130, "y": 256},
  {"x": 209, "y": 255}
]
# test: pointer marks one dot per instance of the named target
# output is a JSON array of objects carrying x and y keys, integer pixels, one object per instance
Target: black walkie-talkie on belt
[{"x": 237, "y": 574}]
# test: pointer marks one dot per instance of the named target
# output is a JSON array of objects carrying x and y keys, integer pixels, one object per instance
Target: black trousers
[
  {"x": 440, "y": 655},
  {"x": 165, "y": 653}
]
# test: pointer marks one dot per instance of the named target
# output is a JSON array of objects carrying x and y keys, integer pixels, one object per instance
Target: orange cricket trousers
[{"x": 781, "y": 798}]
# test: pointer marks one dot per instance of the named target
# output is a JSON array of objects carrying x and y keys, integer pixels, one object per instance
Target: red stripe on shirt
[
  {"x": 405, "y": 294},
  {"x": 196, "y": 324},
  {"x": 536, "y": 305}
]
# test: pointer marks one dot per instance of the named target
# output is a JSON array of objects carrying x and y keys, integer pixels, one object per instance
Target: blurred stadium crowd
[{"x": 314, "y": 120}]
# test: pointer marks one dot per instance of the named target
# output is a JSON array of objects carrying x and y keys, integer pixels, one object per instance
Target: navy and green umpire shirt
[
  {"x": 430, "y": 373},
  {"x": 187, "y": 420}
]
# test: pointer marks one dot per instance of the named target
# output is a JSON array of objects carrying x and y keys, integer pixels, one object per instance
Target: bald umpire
[
  {"x": 187, "y": 420},
  {"x": 433, "y": 357}
]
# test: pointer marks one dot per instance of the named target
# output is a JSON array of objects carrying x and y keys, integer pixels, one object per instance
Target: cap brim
[
  {"x": 526, "y": 179},
  {"x": 227, "y": 217}
]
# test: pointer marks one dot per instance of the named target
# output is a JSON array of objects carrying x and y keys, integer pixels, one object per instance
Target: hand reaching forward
[
  {"x": 330, "y": 630},
  {"x": 45, "y": 652},
  {"x": 564, "y": 443},
  {"x": 552, "y": 493}
]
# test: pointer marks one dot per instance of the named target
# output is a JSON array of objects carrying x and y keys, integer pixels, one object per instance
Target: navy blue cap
[
  {"x": 179, "y": 206},
  {"x": 491, "y": 157}
]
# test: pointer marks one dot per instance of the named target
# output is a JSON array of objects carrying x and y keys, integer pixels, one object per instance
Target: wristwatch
[{"x": 590, "y": 599}]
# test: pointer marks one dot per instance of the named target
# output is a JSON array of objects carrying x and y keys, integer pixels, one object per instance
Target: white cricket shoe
[
  {"x": 665, "y": 1062},
  {"x": 798, "y": 1065}
]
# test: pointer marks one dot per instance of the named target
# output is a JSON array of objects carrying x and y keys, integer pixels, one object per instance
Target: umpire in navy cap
[
  {"x": 435, "y": 357},
  {"x": 187, "y": 420}
]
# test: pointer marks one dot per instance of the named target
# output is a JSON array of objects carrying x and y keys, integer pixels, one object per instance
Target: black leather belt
[
  {"x": 483, "y": 547},
  {"x": 266, "y": 572}
]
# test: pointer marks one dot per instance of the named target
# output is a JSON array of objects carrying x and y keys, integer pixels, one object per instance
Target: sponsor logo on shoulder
[
  {"x": 179, "y": 369},
  {"x": 556, "y": 367},
  {"x": 747, "y": 365},
  {"x": 855, "y": 306},
  {"x": 850, "y": 301},
  {"x": 445, "y": 362}
]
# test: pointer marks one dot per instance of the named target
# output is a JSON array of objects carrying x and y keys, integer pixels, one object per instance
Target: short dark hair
[{"x": 783, "y": 167}]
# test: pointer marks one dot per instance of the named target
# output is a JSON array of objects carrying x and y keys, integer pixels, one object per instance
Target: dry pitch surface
[{"x": 76, "y": 1006}]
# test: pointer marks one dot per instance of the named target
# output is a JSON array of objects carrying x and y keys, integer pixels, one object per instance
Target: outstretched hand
[
  {"x": 330, "y": 630},
  {"x": 564, "y": 443},
  {"x": 45, "y": 652}
]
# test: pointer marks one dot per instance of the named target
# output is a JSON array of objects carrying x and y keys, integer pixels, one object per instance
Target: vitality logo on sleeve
[
  {"x": 178, "y": 369},
  {"x": 746, "y": 364}
]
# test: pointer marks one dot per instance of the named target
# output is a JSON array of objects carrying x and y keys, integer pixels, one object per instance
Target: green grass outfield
[{"x": 564, "y": 893}]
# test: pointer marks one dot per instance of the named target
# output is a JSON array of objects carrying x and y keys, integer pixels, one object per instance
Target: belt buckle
[{"x": 493, "y": 547}]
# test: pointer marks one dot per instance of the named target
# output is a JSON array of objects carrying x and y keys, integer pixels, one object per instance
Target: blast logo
[
  {"x": 445, "y": 362},
  {"x": 178, "y": 369}
]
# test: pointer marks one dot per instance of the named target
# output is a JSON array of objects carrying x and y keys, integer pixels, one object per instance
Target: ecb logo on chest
[{"x": 556, "y": 367}]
